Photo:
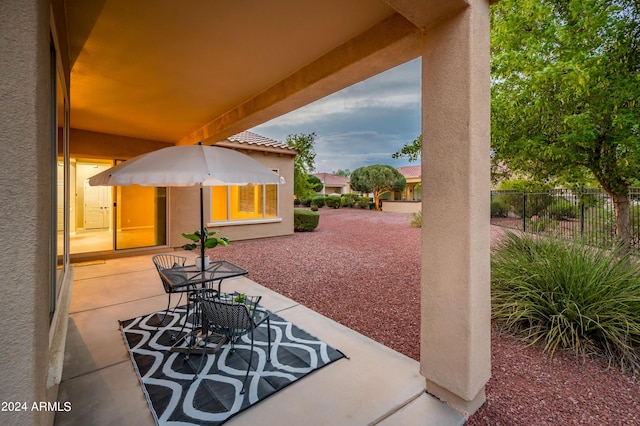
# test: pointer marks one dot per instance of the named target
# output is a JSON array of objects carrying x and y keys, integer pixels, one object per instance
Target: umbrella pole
[{"x": 201, "y": 232}]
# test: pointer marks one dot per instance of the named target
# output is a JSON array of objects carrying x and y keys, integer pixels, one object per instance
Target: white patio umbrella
[{"x": 188, "y": 165}]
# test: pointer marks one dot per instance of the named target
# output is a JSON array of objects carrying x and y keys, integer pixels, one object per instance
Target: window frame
[{"x": 245, "y": 221}]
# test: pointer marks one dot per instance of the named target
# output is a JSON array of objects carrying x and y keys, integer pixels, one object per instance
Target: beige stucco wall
[
  {"x": 95, "y": 145},
  {"x": 184, "y": 207},
  {"x": 401, "y": 206},
  {"x": 334, "y": 190},
  {"x": 26, "y": 207},
  {"x": 455, "y": 351}
]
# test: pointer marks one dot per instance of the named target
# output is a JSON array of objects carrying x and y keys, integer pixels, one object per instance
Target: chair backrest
[
  {"x": 228, "y": 318},
  {"x": 164, "y": 262},
  {"x": 168, "y": 261}
]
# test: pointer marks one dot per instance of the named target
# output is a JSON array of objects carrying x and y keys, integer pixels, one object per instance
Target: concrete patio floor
[{"x": 376, "y": 385}]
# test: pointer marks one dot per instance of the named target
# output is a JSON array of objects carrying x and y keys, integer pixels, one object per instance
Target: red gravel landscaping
[{"x": 374, "y": 258}]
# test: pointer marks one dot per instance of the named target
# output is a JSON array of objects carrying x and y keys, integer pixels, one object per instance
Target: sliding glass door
[
  {"x": 140, "y": 217},
  {"x": 106, "y": 218}
]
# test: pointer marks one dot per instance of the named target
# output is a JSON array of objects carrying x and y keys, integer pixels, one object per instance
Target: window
[
  {"x": 244, "y": 203},
  {"x": 59, "y": 238}
]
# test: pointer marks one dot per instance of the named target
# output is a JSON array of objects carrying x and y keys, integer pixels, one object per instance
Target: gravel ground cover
[{"x": 361, "y": 268}]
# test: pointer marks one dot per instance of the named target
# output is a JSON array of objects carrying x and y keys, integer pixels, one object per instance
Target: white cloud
[{"x": 361, "y": 125}]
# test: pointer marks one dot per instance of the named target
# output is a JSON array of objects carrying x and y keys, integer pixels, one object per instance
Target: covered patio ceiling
[{"x": 182, "y": 72}]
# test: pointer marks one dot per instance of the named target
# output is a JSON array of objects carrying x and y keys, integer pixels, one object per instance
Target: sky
[{"x": 361, "y": 125}]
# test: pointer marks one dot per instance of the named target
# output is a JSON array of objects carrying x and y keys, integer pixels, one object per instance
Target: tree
[
  {"x": 303, "y": 164},
  {"x": 377, "y": 179},
  {"x": 343, "y": 173},
  {"x": 565, "y": 95},
  {"x": 315, "y": 183},
  {"x": 411, "y": 150}
]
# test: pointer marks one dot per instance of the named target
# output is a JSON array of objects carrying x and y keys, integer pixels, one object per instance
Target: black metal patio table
[
  {"x": 191, "y": 275},
  {"x": 202, "y": 282}
]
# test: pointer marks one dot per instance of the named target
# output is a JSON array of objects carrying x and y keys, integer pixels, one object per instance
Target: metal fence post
[
  {"x": 582, "y": 219},
  {"x": 524, "y": 212}
]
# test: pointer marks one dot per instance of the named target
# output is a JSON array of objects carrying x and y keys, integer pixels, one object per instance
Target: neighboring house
[
  {"x": 413, "y": 175},
  {"x": 333, "y": 184},
  {"x": 256, "y": 211},
  {"x": 407, "y": 201}
]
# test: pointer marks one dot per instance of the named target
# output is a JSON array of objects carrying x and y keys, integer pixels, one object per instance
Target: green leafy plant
[
  {"x": 558, "y": 112},
  {"x": 315, "y": 183},
  {"x": 538, "y": 224},
  {"x": 303, "y": 163},
  {"x": 562, "y": 209},
  {"x": 209, "y": 240},
  {"x": 416, "y": 222},
  {"x": 318, "y": 200},
  {"x": 363, "y": 202},
  {"x": 332, "y": 201},
  {"x": 527, "y": 198},
  {"x": 305, "y": 220},
  {"x": 305, "y": 202},
  {"x": 499, "y": 208},
  {"x": 348, "y": 200},
  {"x": 567, "y": 296}
]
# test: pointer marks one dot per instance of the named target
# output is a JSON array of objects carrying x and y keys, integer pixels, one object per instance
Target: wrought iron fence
[{"x": 587, "y": 214}]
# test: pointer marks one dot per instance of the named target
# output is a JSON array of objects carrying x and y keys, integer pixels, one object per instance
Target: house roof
[
  {"x": 332, "y": 180},
  {"x": 250, "y": 140},
  {"x": 410, "y": 171}
]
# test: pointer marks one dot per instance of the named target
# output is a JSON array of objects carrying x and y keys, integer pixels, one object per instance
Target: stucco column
[
  {"x": 455, "y": 324},
  {"x": 25, "y": 210}
]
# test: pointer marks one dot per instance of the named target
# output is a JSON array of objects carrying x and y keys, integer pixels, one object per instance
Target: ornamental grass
[{"x": 568, "y": 296}]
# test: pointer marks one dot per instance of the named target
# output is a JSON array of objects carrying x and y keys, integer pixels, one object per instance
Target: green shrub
[
  {"x": 535, "y": 201},
  {"x": 590, "y": 200},
  {"x": 562, "y": 209},
  {"x": 416, "y": 222},
  {"x": 314, "y": 208},
  {"x": 499, "y": 208},
  {"x": 305, "y": 202},
  {"x": 332, "y": 201},
  {"x": 305, "y": 220},
  {"x": 318, "y": 200},
  {"x": 315, "y": 183},
  {"x": 363, "y": 202},
  {"x": 568, "y": 297},
  {"x": 537, "y": 224},
  {"x": 348, "y": 200}
]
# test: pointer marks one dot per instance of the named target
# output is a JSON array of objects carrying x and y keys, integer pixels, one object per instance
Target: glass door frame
[{"x": 141, "y": 217}]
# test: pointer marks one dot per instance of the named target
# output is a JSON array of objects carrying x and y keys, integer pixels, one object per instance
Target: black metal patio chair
[
  {"x": 230, "y": 317},
  {"x": 171, "y": 278}
]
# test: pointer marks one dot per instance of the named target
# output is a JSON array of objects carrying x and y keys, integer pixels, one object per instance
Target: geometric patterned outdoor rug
[{"x": 214, "y": 397}]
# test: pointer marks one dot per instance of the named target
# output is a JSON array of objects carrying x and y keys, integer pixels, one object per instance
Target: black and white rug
[{"x": 168, "y": 378}]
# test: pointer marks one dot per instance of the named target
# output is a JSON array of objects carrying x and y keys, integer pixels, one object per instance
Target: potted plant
[{"x": 209, "y": 241}]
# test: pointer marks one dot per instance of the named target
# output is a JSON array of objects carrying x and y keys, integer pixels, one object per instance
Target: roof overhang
[{"x": 184, "y": 72}]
